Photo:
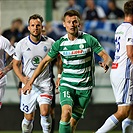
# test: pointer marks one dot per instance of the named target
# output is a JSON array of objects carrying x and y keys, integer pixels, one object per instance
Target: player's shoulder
[
  {"x": 85, "y": 35},
  {"x": 23, "y": 41},
  {"x": 125, "y": 25},
  {"x": 4, "y": 42},
  {"x": 3, "y": 39},
  {"x": 47, "y": 39},
  {"x": 62, "y": 39}
]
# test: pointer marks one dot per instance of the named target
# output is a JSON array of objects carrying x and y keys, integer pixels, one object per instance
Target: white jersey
[
  {"x": 121, "y": 75},
  {"x": 5, "y": 46},
  {"x": 31, "y": 54},
  {"x": 122, "y": 64}
]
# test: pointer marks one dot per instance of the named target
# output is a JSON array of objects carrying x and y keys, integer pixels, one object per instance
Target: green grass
[{"x": 56, "y": 132}]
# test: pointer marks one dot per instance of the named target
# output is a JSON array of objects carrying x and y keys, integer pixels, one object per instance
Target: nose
[
  {"x": 36, "y": 27},
  {"x": 73, "y": 23}
]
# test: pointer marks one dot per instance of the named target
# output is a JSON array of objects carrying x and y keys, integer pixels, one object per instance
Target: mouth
[{"x": 73, "y": 29}]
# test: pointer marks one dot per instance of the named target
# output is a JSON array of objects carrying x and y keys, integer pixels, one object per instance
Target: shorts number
[
  {"x": 25, "y": 108},
  {"x": 66, "y": 94}
]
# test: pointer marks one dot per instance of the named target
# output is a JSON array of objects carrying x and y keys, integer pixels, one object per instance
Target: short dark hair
[
  {"x": 71, "y": 13},
  {"x": 18, "y": 20},
  {"x": 128, "y": 7},
  {"x": 113, "y": 1},
  {"x": 35, "y": 16}
]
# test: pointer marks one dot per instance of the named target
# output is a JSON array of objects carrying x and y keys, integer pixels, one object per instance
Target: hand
[
  {"x": 27, "y": 88},
  {"x": 56, "y": 91},
  {"x": 105, "y": 66},
  {"x": 25, "y": 80},
  {"x": 57, "y": 85}
]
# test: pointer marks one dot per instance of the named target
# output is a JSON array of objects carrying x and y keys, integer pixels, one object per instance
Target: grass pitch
[{"x": 56, "y": 132}]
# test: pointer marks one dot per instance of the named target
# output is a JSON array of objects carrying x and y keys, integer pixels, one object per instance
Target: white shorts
[
  {"x": 2, "y": 92},
  {"x": 36, "y": 96},
  {"x": 123, "y": 90}
]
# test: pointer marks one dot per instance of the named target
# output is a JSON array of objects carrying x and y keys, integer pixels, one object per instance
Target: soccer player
[
  {"x": 122, "y": 75},
  {"x": 76, "y": 49},
  {"x": 30, "y": 51},
  {"x": 5, "y": 46}
]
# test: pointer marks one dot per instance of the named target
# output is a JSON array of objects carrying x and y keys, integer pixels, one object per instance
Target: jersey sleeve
[
  {"x": 54, "y": 50},
  {"x": 129, "y": 36},
  {"x": 18, "y": 52},
  {"x": 7, "y": 46},
  {"x": 96, "y": 46}
]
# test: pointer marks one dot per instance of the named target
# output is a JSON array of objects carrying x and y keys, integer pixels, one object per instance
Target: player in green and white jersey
[{"x": 76, "y": 49}]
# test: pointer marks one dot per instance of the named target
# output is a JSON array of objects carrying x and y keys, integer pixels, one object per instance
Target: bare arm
[
  {"x": 130, "y": 52},
  {"x": 59, "y": 69},
  {"x": 106, "y": 60},
  {"x": 18, "y": 71},
  {"x": 59, "y": 65},
  {"x": 42, "y": 65},
  {"x": 6, "y": 69}
]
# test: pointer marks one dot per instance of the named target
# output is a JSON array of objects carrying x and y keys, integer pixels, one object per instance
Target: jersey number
[
  {"x": 66, "y": 94},
  {"x": 117, "y": 43}
]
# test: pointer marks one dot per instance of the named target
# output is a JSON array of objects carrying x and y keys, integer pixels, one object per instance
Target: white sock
[
  {"x": 109, "y": 124},
  {"x": 46, "y": 123},
  {"x": 27, "y": 126},
  {"x": 127, "y": 126}
]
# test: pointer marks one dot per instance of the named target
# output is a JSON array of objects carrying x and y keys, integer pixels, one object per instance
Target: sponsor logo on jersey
[
  {"x": 45, "y": 49},
  {"x": 120, "y": 32},
  {"x": 74, "y": 52},
  {"x": 130, "y": 40},
  {"x": 36, "y": 60}
]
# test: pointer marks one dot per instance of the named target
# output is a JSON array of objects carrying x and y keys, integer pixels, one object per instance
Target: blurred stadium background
[{"x": 102, "y": 103}]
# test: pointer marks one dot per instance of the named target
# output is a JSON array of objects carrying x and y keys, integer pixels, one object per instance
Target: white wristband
[{"x": 59, "y": 75}]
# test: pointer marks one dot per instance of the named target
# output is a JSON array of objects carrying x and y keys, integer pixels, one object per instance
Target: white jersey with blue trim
[
  {"x": 122, "y": 65},
  {"x": 5, "y": 46},
  {"x": 31, "y": 54}
]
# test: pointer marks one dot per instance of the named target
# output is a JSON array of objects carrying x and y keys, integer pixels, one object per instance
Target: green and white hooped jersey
[
  {"x": 78, "y": 60},
  {"x": 31, "y": 54}
]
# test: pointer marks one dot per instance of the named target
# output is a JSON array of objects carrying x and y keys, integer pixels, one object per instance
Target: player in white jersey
[
  {"x": 30, "y": 51},
  {"x": 122, "y": 75},
  {"x": 5, "y": 47},
  {"x": 76, "y": 50}
]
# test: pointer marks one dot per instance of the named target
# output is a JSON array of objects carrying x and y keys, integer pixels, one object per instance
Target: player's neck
[
  {"x": 128, "y": 19},
  {"x": 72, "y": 37},
  {"x": 35, "y": 39}
]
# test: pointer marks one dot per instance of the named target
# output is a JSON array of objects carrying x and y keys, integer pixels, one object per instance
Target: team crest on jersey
[
  {"x": 81, "y": 46},
  {"x": 36, "y": 60},
  {"x": 45, "y": 49}
]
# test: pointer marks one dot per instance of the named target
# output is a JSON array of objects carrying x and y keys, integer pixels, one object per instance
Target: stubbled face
[
  {"x": 71, "y": 24},
  {"x": 35, "y": 27}
]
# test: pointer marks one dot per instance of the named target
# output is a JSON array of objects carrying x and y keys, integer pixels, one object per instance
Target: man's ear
[
  {"x": 28, "y": 28},
  {"x": 64, "y": 24}
]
